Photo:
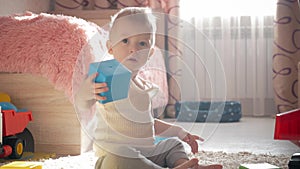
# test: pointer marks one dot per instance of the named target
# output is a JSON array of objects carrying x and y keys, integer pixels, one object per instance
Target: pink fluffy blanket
[
  {"x": 60, "y": 49},
  {"x": 48, "y": 45}
]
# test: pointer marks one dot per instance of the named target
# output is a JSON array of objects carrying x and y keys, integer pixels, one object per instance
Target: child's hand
[
  {"x": 191, "y": 140},
  {"x": 89, "y": 90},
  {"x": 99, "y": 88}
]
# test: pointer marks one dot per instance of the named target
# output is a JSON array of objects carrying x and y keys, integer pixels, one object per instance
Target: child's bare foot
[
  {"x": 189, "y": 164},
  {"x": 213, "y": 166}
]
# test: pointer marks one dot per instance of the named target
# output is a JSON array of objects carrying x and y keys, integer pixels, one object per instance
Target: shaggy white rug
[
  {"x": 233, "y": 160},
  {"x": 228, "y": 160}
]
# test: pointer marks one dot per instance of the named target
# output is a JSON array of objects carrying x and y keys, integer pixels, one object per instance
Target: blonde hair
[{"x": 143, "y": 14}]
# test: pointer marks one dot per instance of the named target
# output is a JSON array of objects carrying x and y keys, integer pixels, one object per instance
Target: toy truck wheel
[
  {"x": 17, "y": 146},
  {"x": 27, "y": 137}
]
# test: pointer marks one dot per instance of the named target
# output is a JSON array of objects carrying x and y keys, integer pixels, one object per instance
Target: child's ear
[{"x": 109, "y": 46}]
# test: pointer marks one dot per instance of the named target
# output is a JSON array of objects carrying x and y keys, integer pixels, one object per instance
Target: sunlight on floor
[{"x": 250, "y": 134}]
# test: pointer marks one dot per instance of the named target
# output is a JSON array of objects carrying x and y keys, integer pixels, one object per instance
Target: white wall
[{"x": 8, "y": 7}]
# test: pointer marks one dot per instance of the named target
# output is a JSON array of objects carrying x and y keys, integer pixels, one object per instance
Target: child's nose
[{"x": 133, "y": 48}]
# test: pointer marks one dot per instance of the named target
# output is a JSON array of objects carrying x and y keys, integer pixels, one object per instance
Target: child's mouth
[{"x": 132, "y": 59}]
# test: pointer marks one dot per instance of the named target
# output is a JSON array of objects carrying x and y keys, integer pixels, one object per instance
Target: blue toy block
[{"x": 117, "y": 77}]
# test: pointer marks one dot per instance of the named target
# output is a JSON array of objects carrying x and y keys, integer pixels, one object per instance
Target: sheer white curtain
[{"x": 228, "y": 48}]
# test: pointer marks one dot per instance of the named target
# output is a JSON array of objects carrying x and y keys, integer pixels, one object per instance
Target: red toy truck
[{"x": 15, "y": 137}]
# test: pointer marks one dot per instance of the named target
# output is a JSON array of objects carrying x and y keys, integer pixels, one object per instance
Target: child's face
[
  {"x": 130, "y": 45},
  {"x": 133, "y": 52}
]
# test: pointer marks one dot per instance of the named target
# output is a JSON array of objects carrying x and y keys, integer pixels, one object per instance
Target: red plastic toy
[
  {"x": 15, "y": 137},
  {"x": 287, "y": 126}
]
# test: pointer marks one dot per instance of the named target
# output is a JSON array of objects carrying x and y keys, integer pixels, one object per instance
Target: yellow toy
[
  {"x": 4, "y": 97},
  {"x": 22, "y": 165}
]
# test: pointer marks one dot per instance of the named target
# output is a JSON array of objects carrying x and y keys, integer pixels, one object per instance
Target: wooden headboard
[
  {"x": 100, "y": 17},
  {"x": 103, "y": 17}
]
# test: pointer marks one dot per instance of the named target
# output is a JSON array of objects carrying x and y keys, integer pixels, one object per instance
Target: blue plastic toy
[
  {"x": 115, "y": 75},
  {"x": 10, "y": 106}
]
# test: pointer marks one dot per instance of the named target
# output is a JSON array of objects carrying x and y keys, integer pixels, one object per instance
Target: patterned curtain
[{"x": 286, "y": 55}]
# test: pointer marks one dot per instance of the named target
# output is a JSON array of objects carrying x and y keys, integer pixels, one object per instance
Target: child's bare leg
[
  {"x": 180, "y": 161},
  {"x": 193, "y": 163},
  {"x": 186, "y": 164},
  {"x": 212, "y": 166}
]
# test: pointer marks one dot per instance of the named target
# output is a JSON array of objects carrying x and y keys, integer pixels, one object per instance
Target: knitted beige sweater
[{"x": 126, "y": 122}]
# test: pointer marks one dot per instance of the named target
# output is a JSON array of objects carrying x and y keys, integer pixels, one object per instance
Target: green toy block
[{"x": 258, "y": 166}]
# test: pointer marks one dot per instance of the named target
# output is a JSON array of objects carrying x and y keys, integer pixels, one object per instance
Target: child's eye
[
  {"x": 125, "y": 41},
  {"x": 143, "y": 44}
]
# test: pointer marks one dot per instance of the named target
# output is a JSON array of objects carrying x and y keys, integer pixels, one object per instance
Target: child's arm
[
  {"x": 88, "y": 93},
  {"x": 165, "y": 129},
  {"x": 170, "y": 130}
]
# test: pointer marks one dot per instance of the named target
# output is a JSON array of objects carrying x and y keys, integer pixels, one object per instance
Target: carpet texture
[
  {"x": 228, "y": 160},
  {"x": 233, "y": 160}
]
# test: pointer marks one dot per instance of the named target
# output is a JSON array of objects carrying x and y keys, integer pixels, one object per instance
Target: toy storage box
[{"x": 55, "y": 127}]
